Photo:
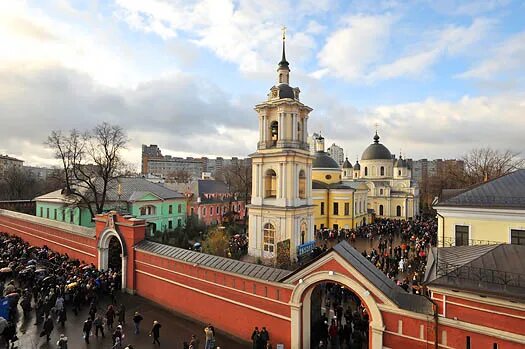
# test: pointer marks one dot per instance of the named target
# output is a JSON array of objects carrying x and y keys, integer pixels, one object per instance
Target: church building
[
  {"x": 392, "y": 193},
  {"x": 281, "y": 210}
]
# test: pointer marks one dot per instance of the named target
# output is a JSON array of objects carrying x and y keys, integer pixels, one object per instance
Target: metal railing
[
  {"x": 451, "y": 241},
  {"x": 481, "y": 275}
]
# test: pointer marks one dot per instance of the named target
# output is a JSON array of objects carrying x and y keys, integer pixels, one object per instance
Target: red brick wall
[
  {"x": 76, "y": 246},
  {"x": 231, "y": 303}
]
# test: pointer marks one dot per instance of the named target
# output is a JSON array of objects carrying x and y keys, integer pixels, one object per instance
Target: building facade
[
  {"x": 281, "y": 210},
  {"x": 163, "y": 209},
  {"x": 7, "y": 162},
  {"x": 338, "y": 204},
  {"x": 487, "y": 213},
  {"x": 392, "y": 193}
]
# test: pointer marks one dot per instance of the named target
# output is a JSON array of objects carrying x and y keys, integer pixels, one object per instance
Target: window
[
  {"x": 355, "y": 208},
  {"x": 55, "y": 214},
  {"x": 47, "y": 213},
  {"x": 398, "y": 211},
  {"x": 302, "y": 185},
  {"x": 179, "y": 222},
  {"x": 347, "y": 208},
  {"x": 71, "y": 216},
  {"x": 517, "y": 237},
  {"x": 41, "y": 212},
  {"x": 380, "y": 210},
  {"x": 462, "y": 232},
  {"x": 270, "y": 184},
  {"x": 336, "y": 208},
  {"x": 366, "y": 171},
  {"x": 399, "y": 172},
  {"x": 170, "y": 225},
  {"x": 217, "y": 210},
  {"x": 328, "y": 177},
  {"x": 303, "y": 232},
  {"x": 269, "y": 238},
  {"x": 192, "y": 210},
  {"x": 380, "y": 191},
  {"x": 204, "y": 211},
  {"x": 322, "y": 208},
  {"x": 170, "y": 209},
  {"x": 382, "y": 170},
  {"x": 468, "y": 342},
  {"x": 274, "y": 132},
  {"x": 179, "y": 209},
  {"x": 495, "y": 346}
]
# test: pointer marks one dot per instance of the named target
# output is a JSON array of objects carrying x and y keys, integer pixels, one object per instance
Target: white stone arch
[
  {"x": 300, "y": 309},
  {"x": 103, "y": 252}
]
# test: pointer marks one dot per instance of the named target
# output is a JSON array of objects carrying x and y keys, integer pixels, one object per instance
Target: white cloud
[
  {"x": 349, "y": 51},
  {"x": 507, "y": 57}
]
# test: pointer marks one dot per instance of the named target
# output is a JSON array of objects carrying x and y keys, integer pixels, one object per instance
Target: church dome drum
[
  {"x": 376, "y": 151},
  {"x": 324, "y": 160}
]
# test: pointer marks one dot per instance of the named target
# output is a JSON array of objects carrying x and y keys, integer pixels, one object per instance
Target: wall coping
[{"x": 70, "y": 228}]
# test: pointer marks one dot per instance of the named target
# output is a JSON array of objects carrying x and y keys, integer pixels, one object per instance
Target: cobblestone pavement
[{"x": 175, "y": 329}]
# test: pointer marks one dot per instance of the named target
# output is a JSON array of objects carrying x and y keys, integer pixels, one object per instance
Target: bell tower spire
[{"x": 283, "y": 69}]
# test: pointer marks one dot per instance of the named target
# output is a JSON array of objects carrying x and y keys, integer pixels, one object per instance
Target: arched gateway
[{"x": 108, "y": 249}]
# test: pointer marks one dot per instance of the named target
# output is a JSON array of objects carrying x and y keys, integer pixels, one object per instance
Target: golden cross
[
  {"x": 376, "y": 125},
  {"x": 283, "y": 30}
]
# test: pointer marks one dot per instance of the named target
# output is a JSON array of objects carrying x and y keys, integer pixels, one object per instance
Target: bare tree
[
  {"x": 18, "y": 184},
  {"x": 482, "y": 164},
  {"x": 90, "y": 162}
]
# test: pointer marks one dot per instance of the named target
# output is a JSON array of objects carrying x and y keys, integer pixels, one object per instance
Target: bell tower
[{"x": 281, "y": 210}]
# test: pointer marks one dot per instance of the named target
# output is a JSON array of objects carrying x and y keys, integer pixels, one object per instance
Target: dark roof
[
  {"x": 324, "y": 160},
  {"x": 283, "y": 64},
  {"x": 401, "y": 162},
  {"x": 495, "y": 270},
  {"x": 340, "y": 185},
  {"x": 376, "y": 151},
  {"x": 347, "y": 164},
  {"x": 285, "y": 91},
  {"x": 132, "y": 188},
  {"x": 388, "y": 287},
  {"x": 211, "y": 186},
  {"x": 257, "y": 271},
  {"x": 357, "y": 166},
  {"x": 507, "y": 191}
]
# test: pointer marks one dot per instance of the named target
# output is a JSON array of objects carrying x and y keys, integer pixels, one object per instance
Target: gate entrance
[
  {"x": 112, "y": 254},
  {"x": 338, "y": 320}
]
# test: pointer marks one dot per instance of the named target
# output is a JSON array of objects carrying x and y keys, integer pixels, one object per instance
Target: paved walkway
[{"x": 175, "y": 329}]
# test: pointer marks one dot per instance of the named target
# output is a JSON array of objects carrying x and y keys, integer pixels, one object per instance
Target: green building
[{"x": 162, "y": 208}]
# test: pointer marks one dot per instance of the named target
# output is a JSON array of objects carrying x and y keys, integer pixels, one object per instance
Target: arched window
[
  {"x": 270, "y": 184},
  {"x": 274, "y": 132},
  {"x": 303, "y": 232},
  {"x": 366, "y": 171},
  {"x": 281, "y": 78},
  {"x": 302, "y": 185},
  {"x": 380, "y": 210},
  {"x": 398, "y": 211},
  {"x": 382, "y": 170},
  {"x": 380, "y": 191},
  {"x": 399, "y": 172},
  {"x": 269, "y": 238}
]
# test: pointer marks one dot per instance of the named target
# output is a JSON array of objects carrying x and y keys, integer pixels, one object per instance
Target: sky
[{"x": 439, "y": 78}]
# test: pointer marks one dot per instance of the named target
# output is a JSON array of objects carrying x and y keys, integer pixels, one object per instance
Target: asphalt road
[{"x": 175, "y": 329}]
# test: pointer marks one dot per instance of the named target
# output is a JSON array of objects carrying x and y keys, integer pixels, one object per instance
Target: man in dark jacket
[
  {"x": 48, "y": 328},
  {"x": 265, "y": 337},
  {"x": 256, "y": 338},
  {"x": 137, "y": 318},
  {"x": 86, "y": 330},
  {"x": 155, "y": 332}
]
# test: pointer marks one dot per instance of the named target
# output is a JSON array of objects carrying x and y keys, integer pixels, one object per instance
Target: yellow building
[
  {"x": 338, "y": 205},
  {"x": 392, "y": 193},
  {"x": 281, "y": 207},
  {"x": 492, "y": 212}
]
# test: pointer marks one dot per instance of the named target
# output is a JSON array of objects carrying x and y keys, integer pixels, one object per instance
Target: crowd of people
[
  {"x": 343, "y": 322},
  {"x": 238, "y": 246},
  {"x": 399, "y": 249}
]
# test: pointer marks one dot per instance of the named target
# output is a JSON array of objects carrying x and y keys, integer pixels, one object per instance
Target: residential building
[
  {"x": 338, "y": 204},
  {"x": 337, "y": 153},
  {"x": 213, "y": 203},
  {"x": 479, "y": 292},
  {"x": 40, "y": 173},
  {"x": 424, "y": 168},
  {"x": 490, "y": 212},
  {"x": 7, "y": 162},
  {"x": 162, "y": 208}
]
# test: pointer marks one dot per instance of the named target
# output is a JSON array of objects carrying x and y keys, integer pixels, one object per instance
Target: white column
[
  {"x": 294, "y": 126},
  {"x": 257, "y": 180},
  {"x": 305, "y": 129},
  {"x": 264, "y": 127},
  {"x": 285, "y": 175},
  {"x": 261, "y": 138}
]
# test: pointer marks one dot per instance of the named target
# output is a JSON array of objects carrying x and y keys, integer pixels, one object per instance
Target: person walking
[
  {"x": 118, "y": 336},
  {"x": 121, "y": 315},
  {"x": 48, "y": 328},
  {"x": 155, "y": 332},
  {"x": 137, "y": 318},
  {"x": 110, "y": 316},
  {"x": 256, "y": 338},
  {"x": 62, "y": 342},
  {"x": 99, "y": 325},
  {"x": 86, "y": 330},
  {"x": 265, "y": 337},
  {"x": 209, "y": 332},
  {"x": 194, "y": 342},
  {"x": 62, "y": 317}
]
